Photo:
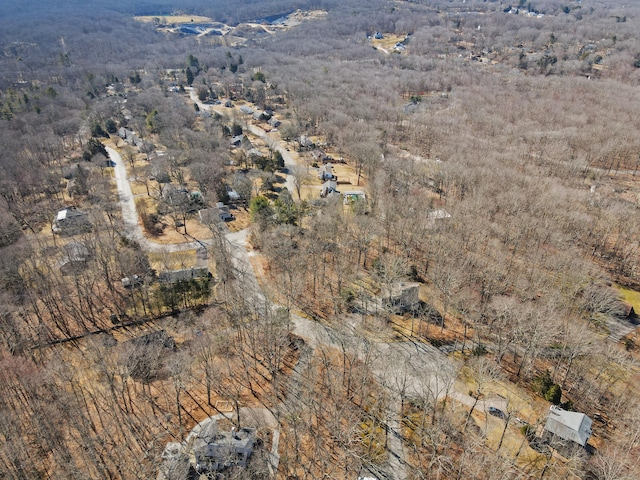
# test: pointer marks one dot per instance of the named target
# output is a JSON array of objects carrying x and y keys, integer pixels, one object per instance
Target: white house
[
  {"x": 329, "y": 187},
  {"x": 305, "y": 141},
  {"x": 326, "y": 172},
  {"x": 439, "y": 214}
]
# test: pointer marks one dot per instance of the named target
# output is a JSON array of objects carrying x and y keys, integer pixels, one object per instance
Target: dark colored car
[{"x": 496, "y": 412}]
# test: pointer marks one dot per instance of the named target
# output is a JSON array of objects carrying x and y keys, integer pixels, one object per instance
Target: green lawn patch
[{"x": 631, "y": 297}]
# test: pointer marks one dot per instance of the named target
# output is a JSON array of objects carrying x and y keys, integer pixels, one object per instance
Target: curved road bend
[
  {"x": 422, "y": 365},
  {"x": 133, "y": 230}
]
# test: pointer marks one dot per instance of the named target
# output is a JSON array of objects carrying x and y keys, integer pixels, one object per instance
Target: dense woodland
[{"x": 523, "y": 128}]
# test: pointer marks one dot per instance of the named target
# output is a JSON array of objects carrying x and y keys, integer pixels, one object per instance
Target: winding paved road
[
  {"x": 133, "y": 229},
  {"x": 405, "y": 368}
]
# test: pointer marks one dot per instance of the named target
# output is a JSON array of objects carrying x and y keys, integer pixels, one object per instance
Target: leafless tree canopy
[{"x": 498, "y": 148}]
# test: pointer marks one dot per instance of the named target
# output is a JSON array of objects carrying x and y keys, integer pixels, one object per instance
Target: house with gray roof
[
  {"x": 236, "y": 141},
  {"x": 247, "y": 110},
  {"x": 329, "y": 188},
  {"x": 71, "y": 221},
  {"x": 274, "y": 122},
  {"x": 75, "y": 258},
  {"x": 564, "y": 425},
  {"x": 216, "y": 450},
  {"x": 305, "y": 142}
]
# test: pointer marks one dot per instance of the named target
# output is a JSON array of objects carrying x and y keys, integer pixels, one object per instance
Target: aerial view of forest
[{"x": 312, "y": 239}]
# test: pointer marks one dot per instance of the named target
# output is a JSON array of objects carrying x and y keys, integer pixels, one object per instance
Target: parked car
[
  {"x": 496, "y": 412},
  {"x": 227, "y": 217}
]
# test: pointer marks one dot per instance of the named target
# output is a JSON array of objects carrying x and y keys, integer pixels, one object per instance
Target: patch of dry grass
[
  {"x": 388, "y": 42},
  {"x": 162, "y": 261}
]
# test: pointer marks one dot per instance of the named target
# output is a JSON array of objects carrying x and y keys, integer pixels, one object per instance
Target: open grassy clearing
[
  {"x": 388, "y": 42},
  {"x": 194, "y": 229},
  {"x": 632, "y": 297}
]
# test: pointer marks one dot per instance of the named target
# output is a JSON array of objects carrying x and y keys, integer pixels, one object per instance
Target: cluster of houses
[
  {"x": 130, "y": 137},
  {"x": 329, "y": 187},
  {"x": 527, "y": 13},
  {"x": 261, "y": 115}
]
